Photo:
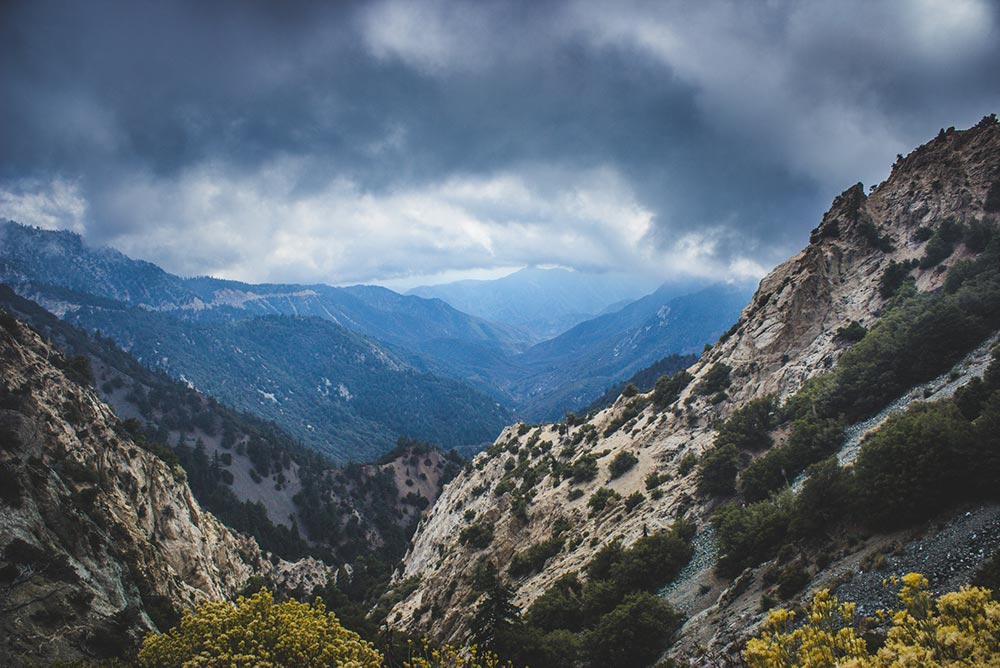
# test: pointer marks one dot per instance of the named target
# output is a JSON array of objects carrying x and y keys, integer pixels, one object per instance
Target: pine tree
[{"x": 497, "y": 618}]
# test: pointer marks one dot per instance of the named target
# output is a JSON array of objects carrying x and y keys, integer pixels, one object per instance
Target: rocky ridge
[
  {"x": 787, "y": 334},
  {"x": 100, "y": 540}
]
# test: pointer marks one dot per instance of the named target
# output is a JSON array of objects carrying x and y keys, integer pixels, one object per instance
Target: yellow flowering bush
[
  {"x": 256, "y": 632},
  {"x": 958, "y": 629},
  {"x": 961, "y": 628},
  {"x": 826, "y": 638},
  {"x": 447, "y": 656}
]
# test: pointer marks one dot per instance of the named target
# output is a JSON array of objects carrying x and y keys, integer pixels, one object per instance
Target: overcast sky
[{"x": 400, "y": 141}]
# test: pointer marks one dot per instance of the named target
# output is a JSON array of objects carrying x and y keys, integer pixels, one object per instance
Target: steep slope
[
  {"x": 246, "y": 471},
  {"x": 100, "y": 540},
  {"x": 335, "y": 391},
  {"x": 542, "y": 302},
  {"x": 803, "y": 318},
  {"x": 644, "y": 380}
]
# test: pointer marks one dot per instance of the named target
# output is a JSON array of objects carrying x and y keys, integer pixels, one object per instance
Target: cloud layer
[{"x": 389, "y": 140}]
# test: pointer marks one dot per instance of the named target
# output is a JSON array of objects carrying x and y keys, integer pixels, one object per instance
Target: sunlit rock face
[
  {"x": 785, "y": 335},
  {"x": 100, "y": 540}
]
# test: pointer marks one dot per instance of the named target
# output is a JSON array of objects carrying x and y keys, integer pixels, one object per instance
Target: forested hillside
[{"x": 248, "y": 472}]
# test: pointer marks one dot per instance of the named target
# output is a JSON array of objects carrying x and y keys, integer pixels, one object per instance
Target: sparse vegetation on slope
[
  {"x": 922, "y": 462},
  {"x": 918, "y": 337},
  {"x": 822, "y": 315},
  {"x": 644, "y": 380},
  {"x": 341, "y": 512}
]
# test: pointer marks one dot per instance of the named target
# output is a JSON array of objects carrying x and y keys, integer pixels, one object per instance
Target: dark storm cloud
[{"x": 361, "y": 141}]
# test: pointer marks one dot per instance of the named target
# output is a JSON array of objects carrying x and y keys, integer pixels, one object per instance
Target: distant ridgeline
[
  {"x": 279, "y": 352},
  {"x": 348, "y": 370},
  {"x": 573, "y": 369}
]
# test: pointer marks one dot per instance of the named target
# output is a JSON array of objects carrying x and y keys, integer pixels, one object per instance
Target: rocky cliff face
[
  {"x": 786, "y": 334},
  {"x": 100, "y": 541},
  {"x": 788, "y": 331}
]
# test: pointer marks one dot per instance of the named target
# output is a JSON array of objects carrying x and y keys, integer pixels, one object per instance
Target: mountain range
[
  {"x": 348, "y": 370},
  {"x": 569, "y": 371},
  {"x": 544, "y": 302},
  {"x": 249, "y": 473},
  {"x": 839, "y": 438}
]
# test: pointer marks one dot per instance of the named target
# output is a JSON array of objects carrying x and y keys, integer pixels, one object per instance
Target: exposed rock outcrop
[
  {"x": 100, "y": 540},
  {"x": 787, "y": 334}
]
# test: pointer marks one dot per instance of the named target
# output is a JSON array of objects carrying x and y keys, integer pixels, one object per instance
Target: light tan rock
[
  {"x": 785, "y": 335},
  {"x": 100, "y": 540}
]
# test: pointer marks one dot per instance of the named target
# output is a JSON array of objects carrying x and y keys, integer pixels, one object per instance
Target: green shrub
[
  {"x": 792, "y": 579},
  {"x": 555, "y": 648},
  {"x": 747, "y": 428},
  {"x": 633, "y": 500},
  {"x": 893, "y": 277},
  {"x": 719, "y": 466},
  {"x": 655, "y": 479},
  {"x": 853, "y": 332},
  {"x": 667, "y": 389},
  {"x": 869, "y": 233},
  {"x": 504, "y": 486},
  {"x": 726, "y": 335},
  {"x": 599, "y": 567},
  {"x": 612, "y": 619},
  {"x": 484, "y": 576},
  {"x": 687, "y": 464},
  {"x": 601, "y": 498},
  {"x": 78, "y": 370},
  {"x": 916, "y": 463},
  {"x": 942, "y": 244},
  {"x": 533, "y": 559},
  {"x": 654, "y": 560},
  {"x": 635, "y": 633},
  {"x": 986, "y": 449},
  {"x": 621, "y": 464},
  {"x": 936, "y": 252},
  {"x": 714, "y": 381},
  {"x": 978, "y": 235},
  {"x": 559, "y": 607},
  {"x": 824, "y": 500},
  {"x": 477, "y": 536},
  {"x": 583, "y": 469},
  {"x": 811, "y": 440},
  {"x": 599, "y": 598},
  {"x": 632, "y": 409},
  {"x": 747, "y": 535}
]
